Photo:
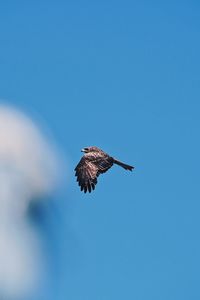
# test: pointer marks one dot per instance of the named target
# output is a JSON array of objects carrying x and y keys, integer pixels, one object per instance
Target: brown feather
[{"x": 91, "y": 165}]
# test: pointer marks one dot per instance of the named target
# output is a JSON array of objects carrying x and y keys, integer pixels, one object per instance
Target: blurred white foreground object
[{"x": 28, "y": 171}]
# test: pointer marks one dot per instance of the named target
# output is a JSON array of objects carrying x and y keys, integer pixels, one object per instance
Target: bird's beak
[{"x": 83, "y": 150}]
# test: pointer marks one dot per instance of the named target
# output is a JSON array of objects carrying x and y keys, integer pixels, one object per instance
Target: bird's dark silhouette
[{"x": 93, "y": 163}]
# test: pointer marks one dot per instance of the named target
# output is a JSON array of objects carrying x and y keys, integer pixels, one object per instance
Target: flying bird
[{"x": 93, "y": 163}]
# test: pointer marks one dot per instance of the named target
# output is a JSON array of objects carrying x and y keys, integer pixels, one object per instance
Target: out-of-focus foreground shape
[{"x": 28, "y": 170}]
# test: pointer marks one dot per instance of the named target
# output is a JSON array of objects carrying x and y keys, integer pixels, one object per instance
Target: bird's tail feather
[{"x": 121, "y": 164}]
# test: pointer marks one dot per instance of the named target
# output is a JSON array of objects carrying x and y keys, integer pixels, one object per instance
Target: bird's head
[{"x": 90, "y": 149}]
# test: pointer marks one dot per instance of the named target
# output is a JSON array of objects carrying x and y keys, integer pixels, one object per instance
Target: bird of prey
[{"x": 93, "y": 163}]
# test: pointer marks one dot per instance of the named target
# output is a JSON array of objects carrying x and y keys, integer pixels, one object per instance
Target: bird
[{"x": 93, "y": 163}]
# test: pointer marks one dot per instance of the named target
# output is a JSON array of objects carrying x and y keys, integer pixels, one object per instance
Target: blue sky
[{"x": 122, "y": 75}]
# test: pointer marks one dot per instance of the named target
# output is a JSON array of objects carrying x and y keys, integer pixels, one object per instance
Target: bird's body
[{"x": 92, "y": 164}]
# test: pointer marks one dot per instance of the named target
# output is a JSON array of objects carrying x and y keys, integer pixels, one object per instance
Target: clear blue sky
[{"x": 125, "y": 76}]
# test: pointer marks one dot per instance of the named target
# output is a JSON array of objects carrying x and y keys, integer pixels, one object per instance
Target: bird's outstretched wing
[{"x": 87, "y": 171}]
